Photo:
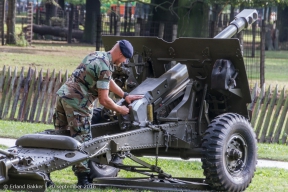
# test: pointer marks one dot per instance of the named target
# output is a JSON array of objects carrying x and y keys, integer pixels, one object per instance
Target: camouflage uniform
[{"x": 77, "y": 95}]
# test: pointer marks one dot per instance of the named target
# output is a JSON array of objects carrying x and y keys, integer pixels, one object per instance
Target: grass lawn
[
  {"x": 265, "y": 179},
  {"x": 58, "y": 56},
  {"x": 14, "y": 129},
  {"x": 276, "y": 70},
  {"x": 61, "y": 56}
]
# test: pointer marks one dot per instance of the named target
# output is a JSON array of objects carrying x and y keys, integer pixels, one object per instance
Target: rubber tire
[
  {"x": 98, "y": 170},
  {"x": 223, "y": 132}
]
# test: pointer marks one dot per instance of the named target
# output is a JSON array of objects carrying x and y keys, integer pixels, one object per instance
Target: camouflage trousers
[{"x": 68, "y": 118}]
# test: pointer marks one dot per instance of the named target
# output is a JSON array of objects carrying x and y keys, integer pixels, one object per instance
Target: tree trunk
[
  {"x": 18, "y": 8},
  {"x": 3, "y": 3},
  {"x": 214, "y": 30},
  {"x": 37, "y": 15},
  {"x": 98, "y": 25},
  {"x": 51, "y": 11},
  {"x": 90, "y": 21},
  {"x": 125, "y": 18},
  {"x": 262, "y": 53},
  {"x": 11, "y": 36},
  {"x": 193, "y": 19},
  {"x": 129, "y": 18},
  {"x": 265, "y": 14},
  {"x": 253, "y": 39},
  {"x": 116, "y": 20},
  {"x": 56, "y": 31},
  {"x": 76, "y": 17},
  {"x": 163, "y": 16},
  {"x": 282, "y": 23},
  {"x": 70, "y": 26},
  {"x": 232, "y": 15},
  {"x": 269, "y": 14},
  {"x": 62, "y": 4},
  {"x": 112, "y": 15},
  {"x": 141, "y": 18}
]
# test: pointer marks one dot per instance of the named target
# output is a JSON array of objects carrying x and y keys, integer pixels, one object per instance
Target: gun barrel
[
  {"x": 241, "y": 21},
  {"x": 176, "y": 75}
]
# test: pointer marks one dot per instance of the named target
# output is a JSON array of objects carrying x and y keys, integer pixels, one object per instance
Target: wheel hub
[{"x": 236, "y": 154}]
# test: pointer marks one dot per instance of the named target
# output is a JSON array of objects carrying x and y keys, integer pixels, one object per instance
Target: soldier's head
[{"x": 121, "y": 51}]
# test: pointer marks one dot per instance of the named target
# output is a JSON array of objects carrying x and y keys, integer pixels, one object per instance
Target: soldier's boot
[
  {"x": 50, "y": 182},
  {"x": 90, "y": 179},
  {"x": 83, "y": 180}
]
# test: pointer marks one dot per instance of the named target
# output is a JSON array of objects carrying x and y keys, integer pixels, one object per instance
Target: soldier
[{"x": 90, "y": 80}]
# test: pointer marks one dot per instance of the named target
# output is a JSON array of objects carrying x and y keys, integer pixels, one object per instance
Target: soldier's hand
[
  {"x": 130, "y": 98},
  {"x": 123, "y": 110}
]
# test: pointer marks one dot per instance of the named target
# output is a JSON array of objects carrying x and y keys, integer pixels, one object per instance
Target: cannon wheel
[{"x": 229, "y": 153}]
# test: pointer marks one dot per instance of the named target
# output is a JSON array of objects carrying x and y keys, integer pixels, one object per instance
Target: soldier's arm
[
  {"x": 103, "y": 86},
  {"x": 115, "y": 88},
  {"x": 118, "y": 91},
  {"x": 108, "y": 103}
]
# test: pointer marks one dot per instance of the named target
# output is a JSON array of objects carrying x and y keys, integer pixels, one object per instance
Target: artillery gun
[{"x": 194, "y": 106}]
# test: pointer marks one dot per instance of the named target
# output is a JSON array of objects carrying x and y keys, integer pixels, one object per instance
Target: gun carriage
[{"x": 194, "y": 106}]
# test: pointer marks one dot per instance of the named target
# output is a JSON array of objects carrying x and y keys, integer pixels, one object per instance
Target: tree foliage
[
  {"x": 75, "y": 2},
  {"x": 247, "y": 3},
  {"x": 235, "y": 3},
  {"x": 50, "y": 2}
]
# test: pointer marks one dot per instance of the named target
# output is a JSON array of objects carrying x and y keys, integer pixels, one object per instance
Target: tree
[
  {"x": 92, "y": 6},
  {"x": 282, "y": 23},
  {"x": 162, "y": 15},
  {"x": 191, "y": 15},
  {"x": 61, "y": 3},
  {"x": 70, "y": 23},
  {"x": 91, "y": 16},
  {"x": 71, "y": 17},
  {"x": 3, "y": 3},
  {"x": 282, "y": 15},
  {"x": 98, "y": 25},
  {"x": 51, "y": 9},
  {"x": 11, "y": 36},
  {"x": 193, "y": 18}
]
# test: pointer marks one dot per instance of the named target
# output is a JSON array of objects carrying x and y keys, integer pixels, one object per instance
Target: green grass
[
  {"x": 180, "y": 168},
  {"x": 276, "y": 69},
  {"x": 3, "y": 147},
  {"x": 269, "y": 180},
  {"x": 273, "y": 152},
  {"x": 276, "y": 54},
  {"x": 60, "y": 57},
  {"x": 14, "y": 129},
  {"x": 265, "y": 179}
]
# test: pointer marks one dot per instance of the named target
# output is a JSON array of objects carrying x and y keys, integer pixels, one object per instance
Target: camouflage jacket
[{"x": 81, "y": 89}]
